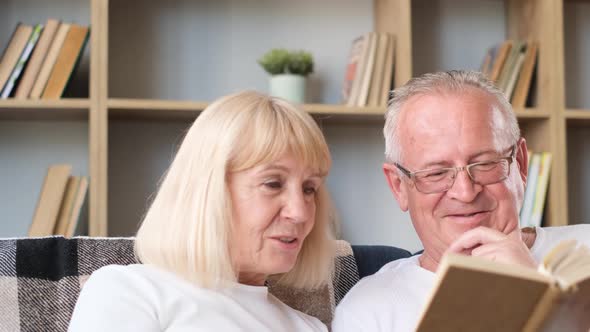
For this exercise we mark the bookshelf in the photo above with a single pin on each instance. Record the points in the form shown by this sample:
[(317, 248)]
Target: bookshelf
[(153, 66)]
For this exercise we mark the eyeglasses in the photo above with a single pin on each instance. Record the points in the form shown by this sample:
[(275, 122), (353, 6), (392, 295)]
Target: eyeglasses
[(438, 180)]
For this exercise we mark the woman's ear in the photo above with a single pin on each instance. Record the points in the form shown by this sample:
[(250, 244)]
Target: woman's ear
[(398, 187)]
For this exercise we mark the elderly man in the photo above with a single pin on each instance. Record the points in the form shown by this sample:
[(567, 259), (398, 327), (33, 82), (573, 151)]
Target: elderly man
[(456, 161)]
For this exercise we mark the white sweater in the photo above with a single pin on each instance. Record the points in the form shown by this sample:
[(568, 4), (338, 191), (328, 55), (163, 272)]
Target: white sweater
[(393, 298), (145, 298)]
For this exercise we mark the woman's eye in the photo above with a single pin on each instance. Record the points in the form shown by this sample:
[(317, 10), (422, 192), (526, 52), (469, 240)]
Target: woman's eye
[(309, 190)]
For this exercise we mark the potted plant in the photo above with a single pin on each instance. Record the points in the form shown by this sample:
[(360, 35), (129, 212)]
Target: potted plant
[(288, 70)]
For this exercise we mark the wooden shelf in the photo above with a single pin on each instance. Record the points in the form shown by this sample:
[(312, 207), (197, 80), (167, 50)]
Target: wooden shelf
[(577, 117), (60, 109), (527, 114), (155, 109)]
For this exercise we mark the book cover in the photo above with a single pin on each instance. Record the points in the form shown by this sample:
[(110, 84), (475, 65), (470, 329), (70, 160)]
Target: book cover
[(22, 61), (67, 59), (475, 294), (352, 67), (360, 69), (49, 61), (50, 199), (13, 51), (39, 53)]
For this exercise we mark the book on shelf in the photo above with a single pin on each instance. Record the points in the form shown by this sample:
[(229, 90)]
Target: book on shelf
[(388, 72), (39, 53), (529, 193), (508, 67), (69, 56), (11, 54), (50, 200), (360, 48), (71, 205), (511, 66), (514, 72), (523, 85), (376, 77), (476, 294), (369, 74), (49, 61), (354, 59), (22, 61), (503, 49), (365, 84), (541, 189)]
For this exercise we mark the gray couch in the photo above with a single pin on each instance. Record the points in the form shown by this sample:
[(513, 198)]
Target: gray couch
[(41, 278)]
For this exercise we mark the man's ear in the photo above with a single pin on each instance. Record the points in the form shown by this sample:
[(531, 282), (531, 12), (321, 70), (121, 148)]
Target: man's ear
[(522, 159), (396, 185)]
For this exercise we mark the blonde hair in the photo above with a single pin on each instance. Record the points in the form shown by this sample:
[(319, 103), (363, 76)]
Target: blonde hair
[(454, 81), (186, 229)]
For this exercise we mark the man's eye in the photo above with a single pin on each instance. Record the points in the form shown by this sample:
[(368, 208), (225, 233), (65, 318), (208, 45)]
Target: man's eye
[(273, 185), (486, 166), (435, 175)]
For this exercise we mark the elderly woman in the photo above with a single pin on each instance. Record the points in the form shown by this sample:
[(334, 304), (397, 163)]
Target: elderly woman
[(244, 200)]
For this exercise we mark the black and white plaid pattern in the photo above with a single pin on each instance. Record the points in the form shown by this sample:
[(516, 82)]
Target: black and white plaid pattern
[(41, 278)]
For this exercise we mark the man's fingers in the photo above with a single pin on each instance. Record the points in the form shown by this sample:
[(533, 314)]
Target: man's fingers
[(474, 238)]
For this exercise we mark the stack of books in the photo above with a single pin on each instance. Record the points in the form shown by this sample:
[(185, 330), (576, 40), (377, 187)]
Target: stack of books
[(511, 65), (39, 60), (369, 72), (60, 203)]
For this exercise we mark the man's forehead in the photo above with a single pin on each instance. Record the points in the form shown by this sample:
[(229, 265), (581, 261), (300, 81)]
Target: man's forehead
[(435, 123)]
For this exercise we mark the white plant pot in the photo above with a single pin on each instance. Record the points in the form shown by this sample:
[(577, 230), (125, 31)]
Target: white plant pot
[(288, 86)]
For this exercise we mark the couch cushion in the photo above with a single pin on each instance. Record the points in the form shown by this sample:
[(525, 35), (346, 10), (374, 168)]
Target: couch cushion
[(40, 279), (369, 259)]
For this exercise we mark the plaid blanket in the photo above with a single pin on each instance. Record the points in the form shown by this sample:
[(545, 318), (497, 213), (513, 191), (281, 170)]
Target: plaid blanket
[(41, 278)]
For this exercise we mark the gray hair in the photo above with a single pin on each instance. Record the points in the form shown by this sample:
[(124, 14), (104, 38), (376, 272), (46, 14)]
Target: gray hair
[(435, 83)]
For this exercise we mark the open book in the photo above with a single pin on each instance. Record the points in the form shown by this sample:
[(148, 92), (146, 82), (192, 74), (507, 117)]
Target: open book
[(474, 294)]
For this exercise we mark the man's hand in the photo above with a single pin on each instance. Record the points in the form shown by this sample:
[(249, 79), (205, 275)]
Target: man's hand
[(494, 245)]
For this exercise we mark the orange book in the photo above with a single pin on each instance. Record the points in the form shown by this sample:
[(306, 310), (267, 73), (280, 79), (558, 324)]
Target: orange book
[(67, 59), (49, 61), (39, 53)]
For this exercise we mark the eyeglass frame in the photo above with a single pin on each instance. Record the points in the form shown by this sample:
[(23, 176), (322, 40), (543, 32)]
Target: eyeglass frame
[(457, 169)]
